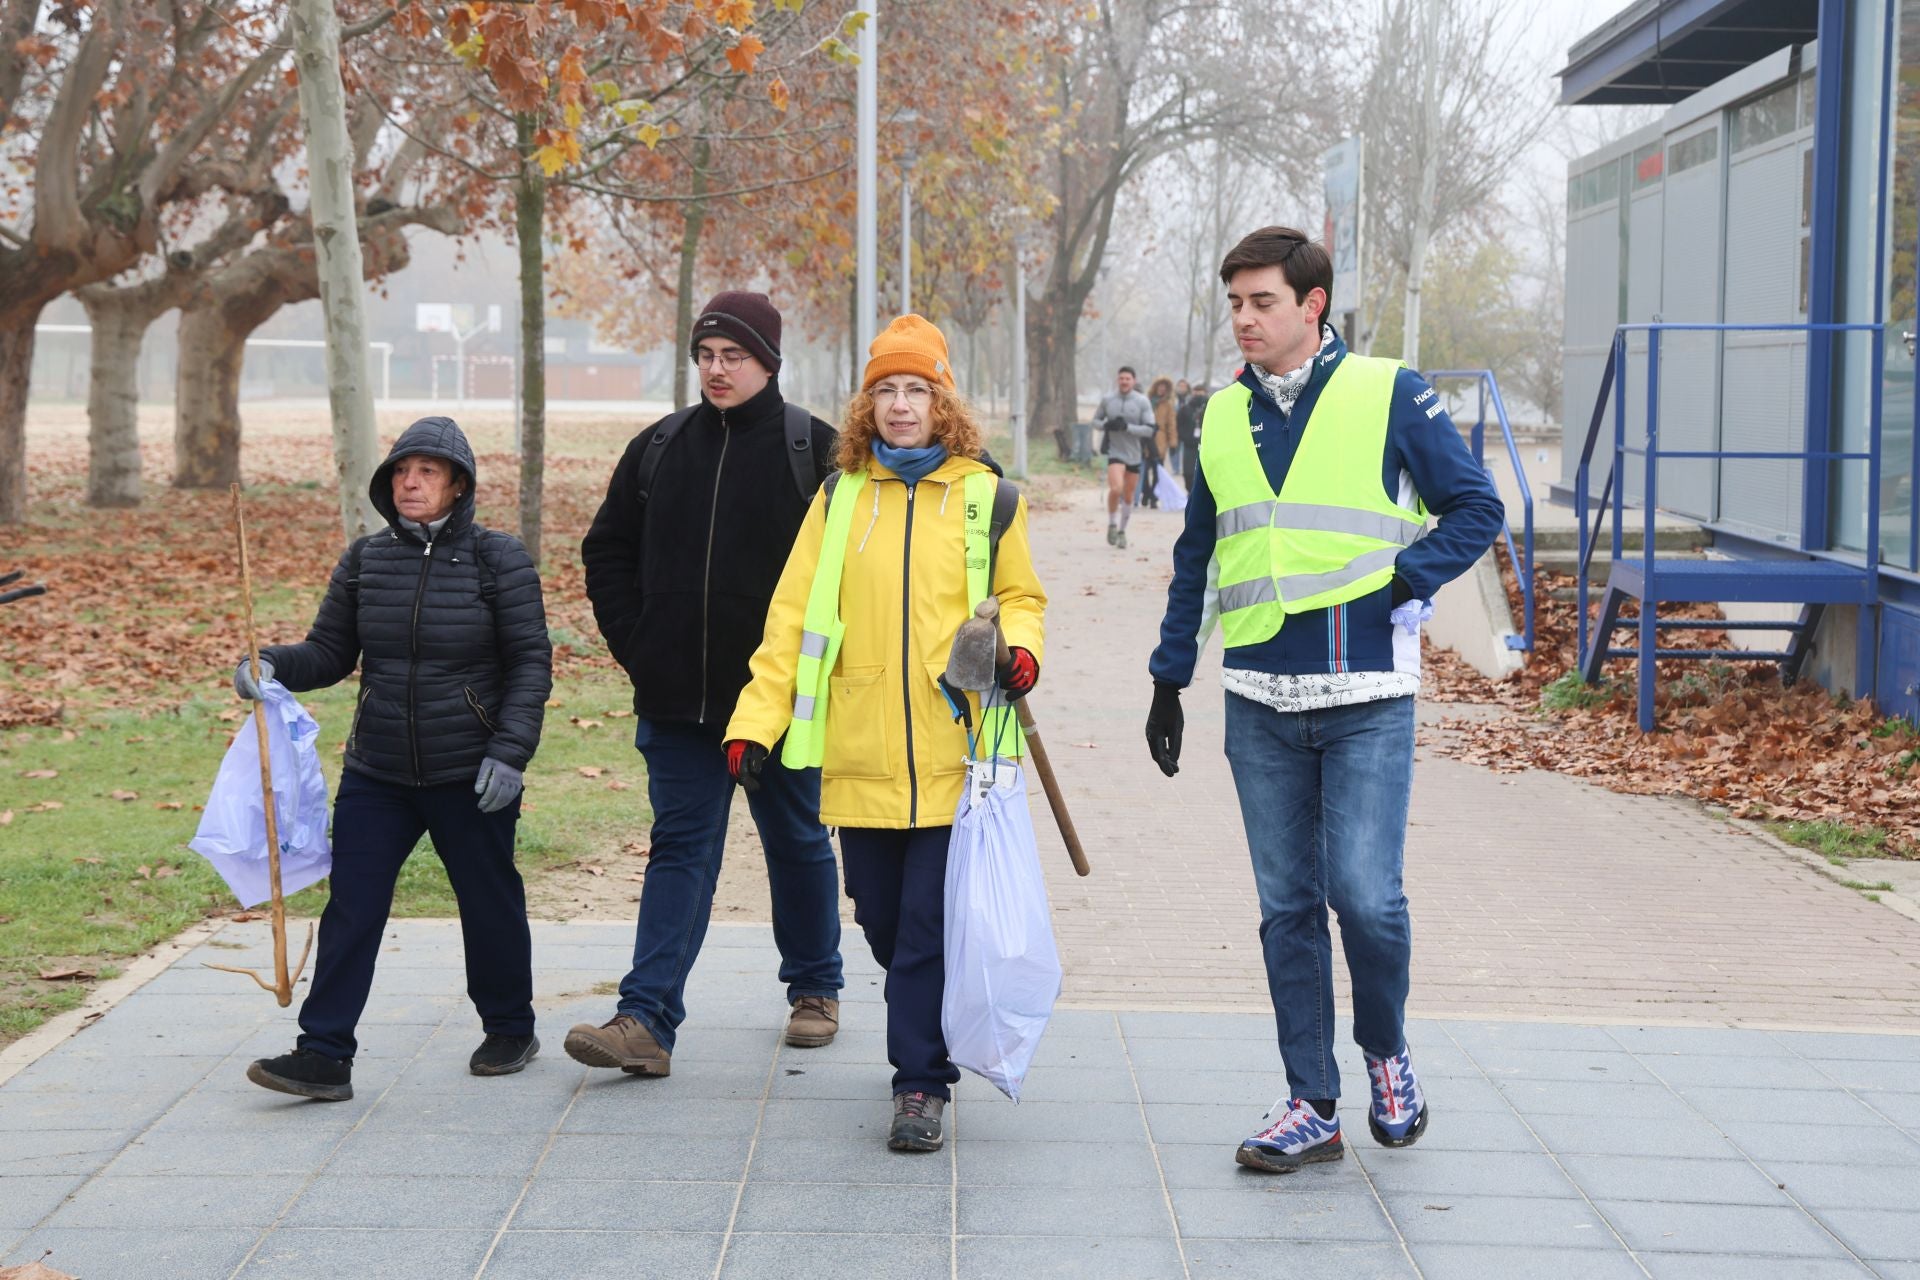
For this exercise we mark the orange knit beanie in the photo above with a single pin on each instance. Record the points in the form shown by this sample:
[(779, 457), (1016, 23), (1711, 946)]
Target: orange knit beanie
[(910, 345)]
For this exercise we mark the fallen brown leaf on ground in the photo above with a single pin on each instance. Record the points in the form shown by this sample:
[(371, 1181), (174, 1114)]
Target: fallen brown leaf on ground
[(41, 773), (591, 770), (34, 1271), (66, 975), (123, 795)]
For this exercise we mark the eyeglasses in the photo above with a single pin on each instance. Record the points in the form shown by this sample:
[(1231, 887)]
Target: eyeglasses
[(918, 393), (729, 360)]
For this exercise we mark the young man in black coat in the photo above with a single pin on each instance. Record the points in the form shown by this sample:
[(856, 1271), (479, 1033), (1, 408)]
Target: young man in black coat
[(681, 564)]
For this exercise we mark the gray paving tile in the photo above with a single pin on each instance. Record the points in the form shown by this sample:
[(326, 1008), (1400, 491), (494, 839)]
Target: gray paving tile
[(1700, 1266), (1892, 1234), (843, 1161), (25, 1110), (1770, 1141), (1817, 1106), (1479, 1131), (1632, 1105), (27, 1198), (254, 1110), (507, 1104), (1484, 1261), (1898, 1270), (571, 1204), (617, 1156), (1682, 1071), (1240, 1088), (1062, 1211), (151, 1254), (92, 1074), (1901, 1108), (1068, 1258), (426, 1155), (445, 1202), (603, 1255), (835, 1118), (623, 1107), (864, 1081), (321, 1253), (1345, 1259), (1552, 1036), (1691, 1139), (1058, 1050), (176, 1203), (1072, 1024), (1657, 1176), (1314, 1204), (1718, 1228), (829, 1257), (1051, 1122), (1611, 1066), (1464, 1173), (1210, 1123), (849, 1046), (1878, 1075), (1078, 1084), (1205, 1055), (1847, 1046), (212, 1153), (51, 1151), (986, 1163), (1699, 1042), (1425, 1217), (856, 1209), (1198, 1026), (1843, 1186), (696, 1043), (1213, 1167)]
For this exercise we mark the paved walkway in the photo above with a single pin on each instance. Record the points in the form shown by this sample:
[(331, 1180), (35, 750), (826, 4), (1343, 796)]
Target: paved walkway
[(1594, 979)]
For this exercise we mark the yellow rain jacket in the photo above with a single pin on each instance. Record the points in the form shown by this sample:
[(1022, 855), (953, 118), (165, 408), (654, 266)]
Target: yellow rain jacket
[(894, 756)]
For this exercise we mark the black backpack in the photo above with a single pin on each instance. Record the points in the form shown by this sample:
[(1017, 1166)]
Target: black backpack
[(799, 428)]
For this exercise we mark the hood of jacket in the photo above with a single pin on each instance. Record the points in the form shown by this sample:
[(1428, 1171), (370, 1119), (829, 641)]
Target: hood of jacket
[(433, 437)]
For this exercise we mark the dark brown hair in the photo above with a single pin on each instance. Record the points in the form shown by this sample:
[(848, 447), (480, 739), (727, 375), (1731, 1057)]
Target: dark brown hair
[(1303, 263)]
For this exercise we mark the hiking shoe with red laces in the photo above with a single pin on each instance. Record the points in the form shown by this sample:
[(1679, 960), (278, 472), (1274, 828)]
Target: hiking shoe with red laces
[(1398, 1115), (1296, 1136), (916, 1122)]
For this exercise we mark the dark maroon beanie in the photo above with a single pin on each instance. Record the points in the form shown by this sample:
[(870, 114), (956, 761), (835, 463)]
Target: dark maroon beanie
[(750, 319)]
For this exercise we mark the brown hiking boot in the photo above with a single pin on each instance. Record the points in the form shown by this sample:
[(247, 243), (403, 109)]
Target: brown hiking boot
[(916, 1122), (813, 1022), (623, 1043)]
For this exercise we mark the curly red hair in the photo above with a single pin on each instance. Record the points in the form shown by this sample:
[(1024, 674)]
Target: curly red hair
[(953, 426)]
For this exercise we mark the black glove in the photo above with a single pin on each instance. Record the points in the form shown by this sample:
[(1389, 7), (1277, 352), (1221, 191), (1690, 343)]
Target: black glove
[(1164, 725), (744, 761)]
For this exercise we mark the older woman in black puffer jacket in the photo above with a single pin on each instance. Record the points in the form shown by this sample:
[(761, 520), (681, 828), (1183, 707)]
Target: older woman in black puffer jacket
[(445, 620)]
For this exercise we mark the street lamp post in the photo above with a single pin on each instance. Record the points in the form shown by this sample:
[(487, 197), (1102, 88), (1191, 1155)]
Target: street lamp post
[(907, 119), (867, 249), (1019, 423)]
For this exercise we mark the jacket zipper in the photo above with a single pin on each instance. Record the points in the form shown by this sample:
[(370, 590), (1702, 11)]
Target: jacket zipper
[(706, 579), (906, 663), (413, 663), (473, 701), (359, 706)]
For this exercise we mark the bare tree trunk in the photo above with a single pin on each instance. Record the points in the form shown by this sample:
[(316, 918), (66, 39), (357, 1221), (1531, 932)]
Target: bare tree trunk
[(529, 220), (696, 215), (206, 408), (1053, 399), (16, 369), (120, 326)]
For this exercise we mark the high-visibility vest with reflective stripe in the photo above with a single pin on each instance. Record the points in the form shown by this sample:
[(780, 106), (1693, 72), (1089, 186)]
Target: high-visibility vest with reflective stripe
[(1331, 534), (822, 629)]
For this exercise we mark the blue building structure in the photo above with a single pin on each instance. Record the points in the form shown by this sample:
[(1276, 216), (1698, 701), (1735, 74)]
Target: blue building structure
[(1740, 322)]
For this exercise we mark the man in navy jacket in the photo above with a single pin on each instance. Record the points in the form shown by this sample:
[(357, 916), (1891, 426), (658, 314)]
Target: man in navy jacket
[(1320, 725)]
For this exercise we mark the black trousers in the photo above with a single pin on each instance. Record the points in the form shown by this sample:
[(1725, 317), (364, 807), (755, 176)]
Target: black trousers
[(375, 826), (898, 883)]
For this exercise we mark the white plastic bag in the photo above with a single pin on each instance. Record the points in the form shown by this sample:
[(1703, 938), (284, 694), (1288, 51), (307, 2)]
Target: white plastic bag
[(1003, 970), (233, 828), (1168, 491)]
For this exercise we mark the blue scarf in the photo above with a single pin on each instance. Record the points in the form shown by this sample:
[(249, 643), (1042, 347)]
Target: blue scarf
[(911, 465)]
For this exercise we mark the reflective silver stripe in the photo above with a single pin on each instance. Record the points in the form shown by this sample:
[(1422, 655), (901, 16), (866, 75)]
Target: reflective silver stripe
[(1314, 518), (1243, 519), (1302, 585), (1244, 595), (813, 645), (802, 706)]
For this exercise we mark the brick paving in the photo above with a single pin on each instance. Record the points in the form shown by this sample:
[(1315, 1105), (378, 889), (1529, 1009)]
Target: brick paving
[(1534, 895)]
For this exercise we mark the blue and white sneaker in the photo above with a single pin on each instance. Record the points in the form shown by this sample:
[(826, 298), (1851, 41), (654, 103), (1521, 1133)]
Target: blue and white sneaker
[(1398, 1115), (1298, 1136)]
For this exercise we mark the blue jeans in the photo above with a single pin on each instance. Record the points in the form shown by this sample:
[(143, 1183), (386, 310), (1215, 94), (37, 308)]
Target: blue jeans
[(1324, 797), (691, 791)]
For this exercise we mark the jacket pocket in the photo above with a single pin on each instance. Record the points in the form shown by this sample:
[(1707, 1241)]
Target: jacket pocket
[(479, 712), (359, 707), (859, 726)]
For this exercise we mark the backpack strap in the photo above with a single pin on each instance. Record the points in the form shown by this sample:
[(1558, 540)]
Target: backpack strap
[(1006, 501), (353, 565), (663, 433), (829, 484), (489, 579), (806, 470)]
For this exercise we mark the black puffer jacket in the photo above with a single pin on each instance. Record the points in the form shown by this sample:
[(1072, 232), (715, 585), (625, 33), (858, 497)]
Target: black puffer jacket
[(446, 678), (680, 585)]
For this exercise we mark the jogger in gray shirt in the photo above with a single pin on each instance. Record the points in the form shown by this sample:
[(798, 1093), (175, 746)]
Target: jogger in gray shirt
[(1127, 416)]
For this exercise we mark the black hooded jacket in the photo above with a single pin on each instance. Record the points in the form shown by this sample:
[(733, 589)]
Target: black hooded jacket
[(447, 677), (680, 584)]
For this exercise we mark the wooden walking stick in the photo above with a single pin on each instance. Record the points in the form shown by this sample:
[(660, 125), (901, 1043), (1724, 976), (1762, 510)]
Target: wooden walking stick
[(990, 610), (282, 984)]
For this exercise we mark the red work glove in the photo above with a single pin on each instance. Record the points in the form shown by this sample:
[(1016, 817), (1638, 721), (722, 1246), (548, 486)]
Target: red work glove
[(744, 762), (1016, 679)]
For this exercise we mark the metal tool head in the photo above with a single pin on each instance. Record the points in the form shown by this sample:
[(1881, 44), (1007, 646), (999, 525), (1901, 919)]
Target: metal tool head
[(970, 665)]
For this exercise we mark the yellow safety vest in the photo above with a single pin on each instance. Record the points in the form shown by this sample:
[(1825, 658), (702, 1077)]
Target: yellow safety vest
[(1331, 534), (822, 629)]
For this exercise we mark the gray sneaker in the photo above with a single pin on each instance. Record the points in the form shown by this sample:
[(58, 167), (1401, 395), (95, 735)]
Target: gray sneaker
[(1113, 534), (916, 1122), (1120, 540)]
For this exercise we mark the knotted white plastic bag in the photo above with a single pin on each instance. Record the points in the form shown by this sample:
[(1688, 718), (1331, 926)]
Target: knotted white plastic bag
[(1003, 969), (1168, 491), (233, 828)]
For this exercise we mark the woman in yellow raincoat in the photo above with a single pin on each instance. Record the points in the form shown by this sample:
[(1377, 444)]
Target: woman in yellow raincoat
[(850, 678)]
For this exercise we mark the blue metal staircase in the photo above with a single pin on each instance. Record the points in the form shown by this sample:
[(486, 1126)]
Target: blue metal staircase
[(1521, 556), (1812, 580)]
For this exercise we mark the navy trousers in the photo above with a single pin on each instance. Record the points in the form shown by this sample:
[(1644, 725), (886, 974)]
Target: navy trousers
[(375, 826), (898, 883)]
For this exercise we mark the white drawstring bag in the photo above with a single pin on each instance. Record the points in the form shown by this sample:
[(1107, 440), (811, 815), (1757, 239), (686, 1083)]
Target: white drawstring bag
[(233, 827), (1168, 491), (1003, 969)]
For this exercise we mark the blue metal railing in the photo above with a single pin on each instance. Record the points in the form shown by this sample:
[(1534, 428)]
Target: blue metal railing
[(1489, 390), (1613, 383)]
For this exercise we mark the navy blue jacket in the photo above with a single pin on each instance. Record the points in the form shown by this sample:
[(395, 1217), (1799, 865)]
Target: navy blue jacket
[(1424, 455)]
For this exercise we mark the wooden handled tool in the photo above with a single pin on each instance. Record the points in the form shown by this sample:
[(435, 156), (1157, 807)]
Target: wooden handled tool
[(990, 610)]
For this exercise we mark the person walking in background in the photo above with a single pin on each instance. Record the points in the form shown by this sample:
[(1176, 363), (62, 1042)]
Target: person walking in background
[(894, 555), (681, 562), (446, 622), (1160, 450), (1177, 456), (1317, 471), (1127, 419), (1187, 429)]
